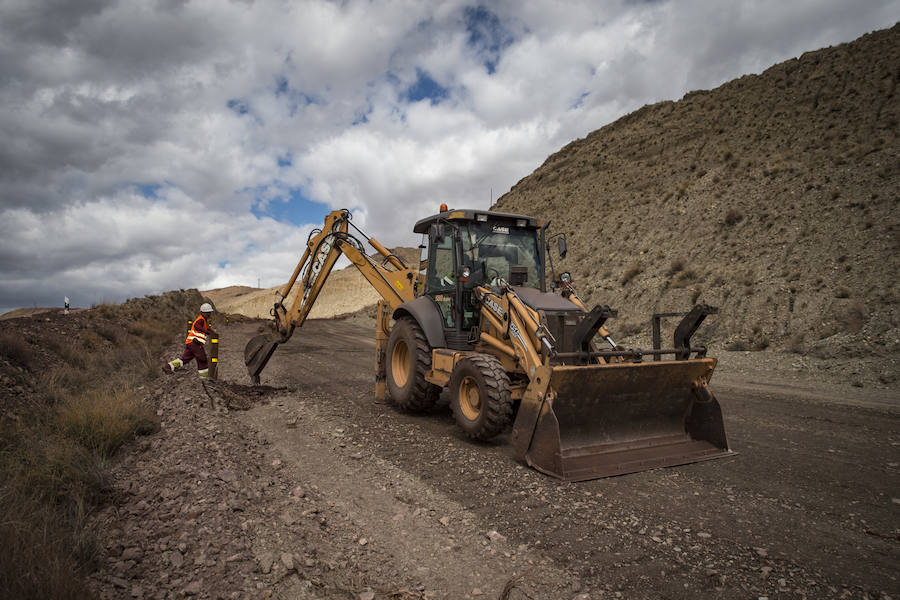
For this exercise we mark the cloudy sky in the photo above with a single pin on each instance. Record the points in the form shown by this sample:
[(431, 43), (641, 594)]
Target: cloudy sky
[(155, 145)]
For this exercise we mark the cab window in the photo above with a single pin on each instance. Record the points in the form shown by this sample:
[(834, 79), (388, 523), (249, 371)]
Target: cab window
[(442, 271)]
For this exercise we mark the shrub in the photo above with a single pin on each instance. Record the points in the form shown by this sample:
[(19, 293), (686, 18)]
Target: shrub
[(632, 272), (737, 346), (733, 217), (684, 278), (796, 344), (676, 266), (855, 317)]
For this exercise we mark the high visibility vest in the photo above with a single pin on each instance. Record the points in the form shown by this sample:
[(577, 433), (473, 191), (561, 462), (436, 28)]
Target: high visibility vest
[(196, 333)]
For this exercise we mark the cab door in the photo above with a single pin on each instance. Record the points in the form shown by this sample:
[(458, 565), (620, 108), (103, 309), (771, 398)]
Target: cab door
[(441, 282)]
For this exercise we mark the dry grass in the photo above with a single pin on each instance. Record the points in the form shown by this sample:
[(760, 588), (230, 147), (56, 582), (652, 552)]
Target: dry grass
[(53, 458), (70, 351), (17, 350), (38, 551), (103, 420)]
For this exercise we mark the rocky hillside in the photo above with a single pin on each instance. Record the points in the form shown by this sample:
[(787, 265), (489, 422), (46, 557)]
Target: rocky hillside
[(346, 291), (774, 197)]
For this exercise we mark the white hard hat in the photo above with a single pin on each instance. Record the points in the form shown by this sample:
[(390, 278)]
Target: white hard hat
[(206, 307)]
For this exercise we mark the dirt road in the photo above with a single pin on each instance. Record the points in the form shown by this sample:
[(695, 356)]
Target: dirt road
[(809, 508)]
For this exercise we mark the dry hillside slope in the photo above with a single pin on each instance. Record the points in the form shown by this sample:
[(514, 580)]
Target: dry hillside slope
[(346, 291), (773, 197)]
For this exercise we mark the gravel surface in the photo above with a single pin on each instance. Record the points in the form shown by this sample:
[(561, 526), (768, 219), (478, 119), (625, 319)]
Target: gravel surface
[(317, 491)]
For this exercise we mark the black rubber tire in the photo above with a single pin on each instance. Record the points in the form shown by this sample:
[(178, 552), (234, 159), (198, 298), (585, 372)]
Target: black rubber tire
[(408, 360), (479, 396)]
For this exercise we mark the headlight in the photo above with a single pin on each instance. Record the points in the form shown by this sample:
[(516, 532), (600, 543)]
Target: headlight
[(565, 277)]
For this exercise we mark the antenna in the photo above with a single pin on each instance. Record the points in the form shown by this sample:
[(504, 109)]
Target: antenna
[(492, 198)]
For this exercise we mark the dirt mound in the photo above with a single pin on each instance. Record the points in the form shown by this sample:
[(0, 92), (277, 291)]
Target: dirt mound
[(773, 197), (346, 291)]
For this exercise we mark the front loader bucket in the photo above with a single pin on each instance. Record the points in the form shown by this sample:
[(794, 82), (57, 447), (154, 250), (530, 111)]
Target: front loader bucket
[(257, 353), (603, 420)]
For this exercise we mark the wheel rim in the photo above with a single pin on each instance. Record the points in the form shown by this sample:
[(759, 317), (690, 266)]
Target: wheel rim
[(400, 363), (469, 398)]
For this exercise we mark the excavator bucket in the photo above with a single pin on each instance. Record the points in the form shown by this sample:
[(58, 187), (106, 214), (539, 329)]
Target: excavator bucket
[(603, 420), (257, 353)]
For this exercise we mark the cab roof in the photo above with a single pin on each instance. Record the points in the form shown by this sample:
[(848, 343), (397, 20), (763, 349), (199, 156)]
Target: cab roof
[(471, 215)]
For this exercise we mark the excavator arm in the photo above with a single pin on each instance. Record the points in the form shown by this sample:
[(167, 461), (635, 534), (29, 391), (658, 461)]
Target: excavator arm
[(392, 279)]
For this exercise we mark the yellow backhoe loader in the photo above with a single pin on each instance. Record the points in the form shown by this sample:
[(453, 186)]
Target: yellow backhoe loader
[(478, 318)]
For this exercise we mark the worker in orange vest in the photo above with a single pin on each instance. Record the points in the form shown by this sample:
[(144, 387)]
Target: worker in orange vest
[(193, 345)]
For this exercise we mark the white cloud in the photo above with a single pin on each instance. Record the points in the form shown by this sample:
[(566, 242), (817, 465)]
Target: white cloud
[(221, 108)]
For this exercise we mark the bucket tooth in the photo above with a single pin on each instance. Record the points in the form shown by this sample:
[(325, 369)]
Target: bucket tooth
[(604, 420)]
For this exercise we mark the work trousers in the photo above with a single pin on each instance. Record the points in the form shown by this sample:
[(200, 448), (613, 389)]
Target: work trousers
[(195, 350)]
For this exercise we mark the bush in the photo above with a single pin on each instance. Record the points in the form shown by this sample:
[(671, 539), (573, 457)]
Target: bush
[(733, 217), (632, 272), (676, 266), (684, 278), (796, 344), (855, 317), (737, 346)]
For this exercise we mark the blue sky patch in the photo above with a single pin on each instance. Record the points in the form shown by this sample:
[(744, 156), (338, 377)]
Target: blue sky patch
[(148, 190), (285, 160), (295, 208), (295, 98), (426, 88), (487, 35), (239, 106)]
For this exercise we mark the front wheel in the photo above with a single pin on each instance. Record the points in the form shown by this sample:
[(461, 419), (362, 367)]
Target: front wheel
[(408, 362), (479, 396)]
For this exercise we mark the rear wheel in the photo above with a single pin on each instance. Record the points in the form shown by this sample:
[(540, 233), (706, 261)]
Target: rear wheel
[(479, 396), (408, 361)]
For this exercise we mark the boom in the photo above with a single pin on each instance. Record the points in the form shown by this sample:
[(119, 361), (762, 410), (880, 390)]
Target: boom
[(395, 285)]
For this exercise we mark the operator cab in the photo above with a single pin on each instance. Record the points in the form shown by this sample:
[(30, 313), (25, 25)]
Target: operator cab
[(468, 248)]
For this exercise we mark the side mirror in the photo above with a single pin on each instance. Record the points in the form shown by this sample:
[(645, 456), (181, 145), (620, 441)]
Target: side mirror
[(437, 233), (563, 249)]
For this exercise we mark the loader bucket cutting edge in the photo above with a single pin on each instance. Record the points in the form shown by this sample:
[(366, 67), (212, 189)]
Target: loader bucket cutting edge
[(257, 353), (606, 420)]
